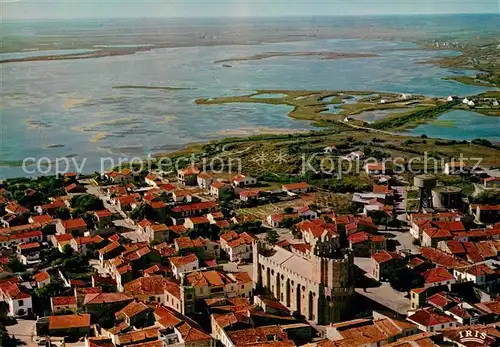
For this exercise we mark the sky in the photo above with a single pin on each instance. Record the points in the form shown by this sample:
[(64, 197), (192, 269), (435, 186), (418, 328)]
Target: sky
[(69, 9)]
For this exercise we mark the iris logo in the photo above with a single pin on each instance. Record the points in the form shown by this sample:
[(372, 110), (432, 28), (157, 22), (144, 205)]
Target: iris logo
[(473, 336)]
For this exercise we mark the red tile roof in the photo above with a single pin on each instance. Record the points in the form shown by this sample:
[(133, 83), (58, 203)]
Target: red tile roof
[(152, 285), (384, 256), (103, 213), (443, 259), (132, 309), (480, 270), (438, 274), (29, 245), (197, 206), (76, 223), (63, 300), (217, 185), (295, 186), (44, 218), (435, 233), (183, 260), (14, 291), (427, 317), (41, 276), (69, 321), (105, 298)]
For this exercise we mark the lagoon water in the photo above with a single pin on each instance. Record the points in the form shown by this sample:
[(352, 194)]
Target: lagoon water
[(461, 125), (60, 108)]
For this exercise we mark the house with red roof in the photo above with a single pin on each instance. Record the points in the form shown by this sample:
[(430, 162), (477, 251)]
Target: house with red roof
[(42, 219), (42, 279), (182, 195), (480, 274), (194, 209), (204, 180), (124, 176), (59, 241), (99, 303), (247, 195), (157, 232), (188, 176), (438, 276), (208, 247), (364, 245), (375, 168), (183, 264), (197, 223), (134, 314), (430, 320), (104, 218), (487, 214), (237, 246), (431, 236), (185, 331), (63, 303), (217, 187), (296, 188), (384, 263), (69, 325), (148, 289), (318, 229), (17, 298), (13, 207), (152, 180), (277, 220), (127, 202), (75, 226), (243, 181)]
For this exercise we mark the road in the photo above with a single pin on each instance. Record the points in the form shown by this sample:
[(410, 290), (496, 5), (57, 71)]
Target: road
[(24, 330), (384, 294)]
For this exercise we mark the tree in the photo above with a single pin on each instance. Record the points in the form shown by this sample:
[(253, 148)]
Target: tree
[(62, 213), (15, 265), (87, 202), (226, 195), (488, 198), (405, 279), (272, 237), (288, 210)]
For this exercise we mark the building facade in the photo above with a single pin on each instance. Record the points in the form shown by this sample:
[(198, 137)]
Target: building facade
[(318, 285)]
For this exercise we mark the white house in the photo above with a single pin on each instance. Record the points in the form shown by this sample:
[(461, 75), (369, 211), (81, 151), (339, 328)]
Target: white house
[(18, 300), (184, 264), (217, 187), (356, 155), (465, 101), (242, 180), (431, 321), (477, 273), (296, 188), (329, 149), (204, 180), (237, 247)]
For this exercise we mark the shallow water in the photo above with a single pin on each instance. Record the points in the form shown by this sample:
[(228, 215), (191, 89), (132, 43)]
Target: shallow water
[(461, 125), (75, 101)]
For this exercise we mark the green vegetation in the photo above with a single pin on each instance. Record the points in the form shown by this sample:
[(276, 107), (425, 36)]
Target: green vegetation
[(412, 118), (405, 279), (87, 202), (272, 237), (487, 198)]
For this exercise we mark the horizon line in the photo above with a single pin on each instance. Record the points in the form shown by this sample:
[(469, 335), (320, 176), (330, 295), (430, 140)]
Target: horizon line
[(259, 17)]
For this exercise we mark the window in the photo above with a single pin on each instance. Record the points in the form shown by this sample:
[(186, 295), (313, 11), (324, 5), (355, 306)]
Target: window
[(21, 303)]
